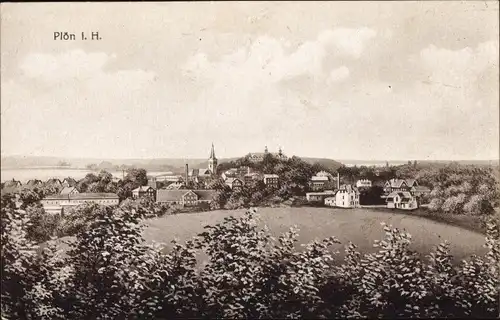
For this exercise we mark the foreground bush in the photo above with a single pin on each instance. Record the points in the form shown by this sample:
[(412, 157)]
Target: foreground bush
[(110, 273)]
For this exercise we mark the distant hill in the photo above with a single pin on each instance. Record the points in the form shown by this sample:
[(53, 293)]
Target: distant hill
[(328, 163), (163, 164), (177, 164), (437, 163)]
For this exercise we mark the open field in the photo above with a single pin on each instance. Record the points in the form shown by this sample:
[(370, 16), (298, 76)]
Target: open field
[(361, 226)]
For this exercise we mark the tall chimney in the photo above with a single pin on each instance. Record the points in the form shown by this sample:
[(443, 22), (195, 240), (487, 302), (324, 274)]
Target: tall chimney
[(248, 170), (338, 180), (187, 173)]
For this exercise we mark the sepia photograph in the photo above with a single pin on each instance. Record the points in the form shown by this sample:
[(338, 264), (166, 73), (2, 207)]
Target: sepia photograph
[(250, 159)]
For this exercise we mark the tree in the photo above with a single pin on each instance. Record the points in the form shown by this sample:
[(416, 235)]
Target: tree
[(110, 273), (478, 205), (371, 196), (17, 262), (108, 266), (42, 226), (30, 197), (138, 177), (220, 199)]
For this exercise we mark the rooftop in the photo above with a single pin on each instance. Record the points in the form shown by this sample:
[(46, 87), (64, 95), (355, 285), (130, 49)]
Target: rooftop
[(176, 195), (271, 176), (142, 189), (319, 178), (82, 196)]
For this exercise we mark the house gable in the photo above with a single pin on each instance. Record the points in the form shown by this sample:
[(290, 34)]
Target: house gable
[(190, 196)]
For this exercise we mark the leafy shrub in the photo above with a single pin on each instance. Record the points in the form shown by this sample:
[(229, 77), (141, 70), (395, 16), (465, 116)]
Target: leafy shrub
[(110, 273)]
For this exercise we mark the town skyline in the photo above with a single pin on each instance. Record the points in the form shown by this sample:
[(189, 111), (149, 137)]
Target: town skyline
[(394, 82)]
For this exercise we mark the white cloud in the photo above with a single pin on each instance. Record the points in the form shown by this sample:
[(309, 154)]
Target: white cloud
[(71, 64), (87, 110), (350, 42), (339, 74), (253, 81), (267, 59)]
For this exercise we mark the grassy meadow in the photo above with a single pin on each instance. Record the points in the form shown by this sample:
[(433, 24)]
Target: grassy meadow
[(361, 226)]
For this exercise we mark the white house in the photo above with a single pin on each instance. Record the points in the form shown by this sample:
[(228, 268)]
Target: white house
[(330, 201), (271, 180), (319, 196), (347, 196), (401, 200), (363, 183)]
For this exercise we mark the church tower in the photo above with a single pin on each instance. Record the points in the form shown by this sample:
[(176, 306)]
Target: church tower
[(212, 161)]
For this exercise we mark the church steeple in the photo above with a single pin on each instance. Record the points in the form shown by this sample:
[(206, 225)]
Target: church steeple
[(212, 161), (212, 153)]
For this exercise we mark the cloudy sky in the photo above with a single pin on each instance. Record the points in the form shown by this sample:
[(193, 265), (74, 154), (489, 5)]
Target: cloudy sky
[(343, 80)]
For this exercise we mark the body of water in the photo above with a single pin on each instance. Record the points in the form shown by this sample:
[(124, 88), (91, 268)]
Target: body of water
[(44, 174)]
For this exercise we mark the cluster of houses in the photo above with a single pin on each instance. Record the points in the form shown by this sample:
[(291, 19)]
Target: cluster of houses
[(176, 191), (398, 193), (403, 193), (343, 196), (325, 189), (66, 182)]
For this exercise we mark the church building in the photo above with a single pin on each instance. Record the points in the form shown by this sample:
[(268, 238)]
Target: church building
[(206, 172)]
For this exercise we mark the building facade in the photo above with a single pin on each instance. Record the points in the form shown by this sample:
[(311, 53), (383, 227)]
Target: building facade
[(363, 183), (319, 196), (399, 185), (259, 156), (61, 202), (271, 180), (402, 200), (234, 183), (185, 198), (347, 196), (249, 177), (330, 202), (144, 191), (318, 183)]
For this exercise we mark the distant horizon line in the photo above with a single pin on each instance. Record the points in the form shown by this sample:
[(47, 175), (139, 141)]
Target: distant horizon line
[(232, 157)]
